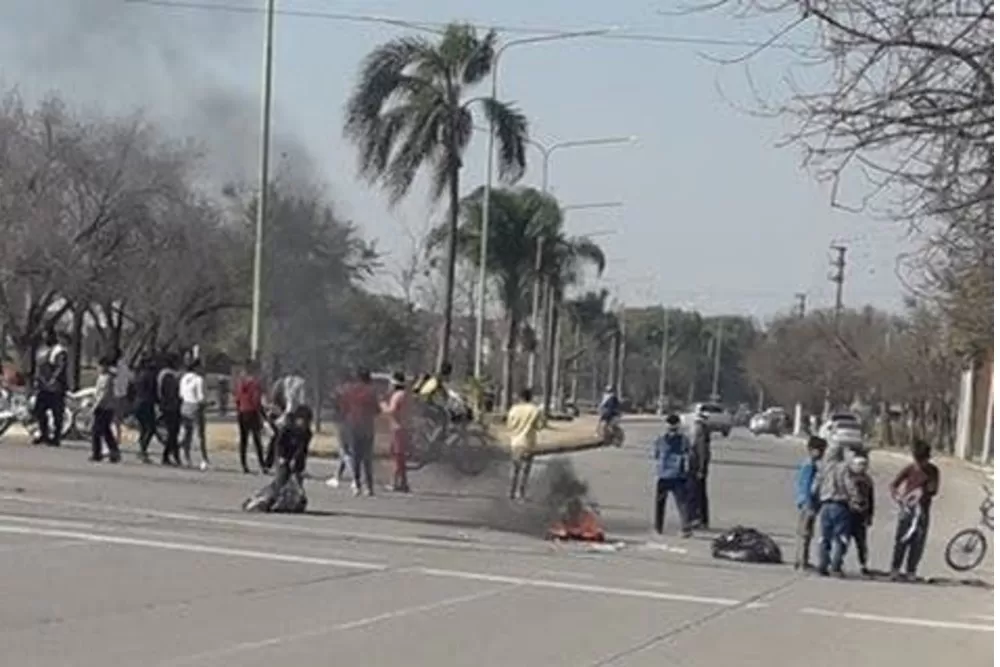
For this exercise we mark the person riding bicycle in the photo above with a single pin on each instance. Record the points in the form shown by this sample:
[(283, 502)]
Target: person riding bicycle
[(609, 409)]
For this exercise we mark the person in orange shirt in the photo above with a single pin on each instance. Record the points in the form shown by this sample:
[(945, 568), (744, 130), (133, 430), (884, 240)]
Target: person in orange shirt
[(398, 409)]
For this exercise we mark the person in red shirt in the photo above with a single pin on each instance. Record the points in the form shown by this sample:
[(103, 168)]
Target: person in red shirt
[(398, 409), (359, 406), (248, 413)]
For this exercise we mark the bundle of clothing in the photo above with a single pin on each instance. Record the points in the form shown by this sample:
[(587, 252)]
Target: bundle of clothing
[(746, 545)]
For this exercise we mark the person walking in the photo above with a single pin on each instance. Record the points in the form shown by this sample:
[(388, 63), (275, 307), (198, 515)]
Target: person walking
[(672, 452), (913, 488), (359, 406), (831, 485), (102, 432), (123, 386), (398, 409), (344, 457), (524, 420), (248, 413), (701, 457), (169, 399), (806, 501), (51, 384), (145, 405), (192, 391), (861, 503)]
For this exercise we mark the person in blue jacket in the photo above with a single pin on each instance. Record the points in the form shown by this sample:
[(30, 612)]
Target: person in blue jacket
[(672, 452), (806, 501)]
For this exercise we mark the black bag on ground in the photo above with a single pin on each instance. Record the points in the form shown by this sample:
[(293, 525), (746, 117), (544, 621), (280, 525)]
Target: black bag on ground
[(746, 545)]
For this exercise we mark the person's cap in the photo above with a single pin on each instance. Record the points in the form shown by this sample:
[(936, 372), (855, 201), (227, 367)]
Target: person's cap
[(673, 420), (398, 379), (610, 388)]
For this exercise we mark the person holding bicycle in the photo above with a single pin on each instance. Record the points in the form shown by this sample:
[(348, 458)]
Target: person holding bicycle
[(913, 489)]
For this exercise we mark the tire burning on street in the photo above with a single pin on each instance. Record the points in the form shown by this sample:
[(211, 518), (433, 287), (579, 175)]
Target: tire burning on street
[(574, 515)]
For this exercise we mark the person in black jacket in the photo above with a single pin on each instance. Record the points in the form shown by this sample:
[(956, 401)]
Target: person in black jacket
[(169, 399), (145, 405), (701, 457)]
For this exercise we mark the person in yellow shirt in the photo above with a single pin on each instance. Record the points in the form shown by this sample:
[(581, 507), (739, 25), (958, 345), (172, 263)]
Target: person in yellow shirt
[(523, 421)]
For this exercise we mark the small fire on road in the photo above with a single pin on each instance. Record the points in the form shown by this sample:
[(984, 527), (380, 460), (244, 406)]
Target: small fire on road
[(577, 522)]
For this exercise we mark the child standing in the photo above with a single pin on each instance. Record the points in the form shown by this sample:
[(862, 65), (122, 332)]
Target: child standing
[(861, 503), (913, 488), (806, 501)]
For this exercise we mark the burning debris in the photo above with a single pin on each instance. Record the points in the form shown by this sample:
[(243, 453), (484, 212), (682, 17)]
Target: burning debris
[(575, 516)]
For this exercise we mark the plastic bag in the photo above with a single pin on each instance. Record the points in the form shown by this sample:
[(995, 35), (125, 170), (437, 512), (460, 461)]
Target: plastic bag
[(746, 545)]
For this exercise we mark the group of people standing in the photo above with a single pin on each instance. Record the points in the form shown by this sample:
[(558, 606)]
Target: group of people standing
[(835, 488)]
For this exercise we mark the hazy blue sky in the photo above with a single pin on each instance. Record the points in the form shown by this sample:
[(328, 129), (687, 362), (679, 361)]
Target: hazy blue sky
[(715, 215)]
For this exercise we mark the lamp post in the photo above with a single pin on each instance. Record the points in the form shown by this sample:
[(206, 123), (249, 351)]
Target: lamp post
[(536, 292), (484, 234)]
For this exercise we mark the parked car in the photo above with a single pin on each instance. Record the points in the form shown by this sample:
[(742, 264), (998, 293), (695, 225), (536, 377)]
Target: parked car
[(843, 429), (717, 418), (773, 421)]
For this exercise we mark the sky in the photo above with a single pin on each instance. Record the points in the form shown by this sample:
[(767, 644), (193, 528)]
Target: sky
[(714, 214)]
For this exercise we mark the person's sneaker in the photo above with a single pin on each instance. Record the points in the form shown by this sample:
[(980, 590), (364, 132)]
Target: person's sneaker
[(894, 576), (95, 459), (838, 573), (865, 572), (333, 483), (355, 491), (144, 458), (686, 534), (370, 493), (115, 458), (823, 573), (203, 466)]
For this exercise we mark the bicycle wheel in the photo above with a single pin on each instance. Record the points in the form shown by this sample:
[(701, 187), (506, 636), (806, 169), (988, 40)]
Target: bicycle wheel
[(470, 452), (965, 550), (417, 452)]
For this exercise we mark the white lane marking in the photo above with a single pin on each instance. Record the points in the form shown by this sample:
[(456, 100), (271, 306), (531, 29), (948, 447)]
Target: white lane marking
[(44, 546), (340, 627), (898, 620), (569, 574), (980, 617), (575, 587), (292, 527), (192, 548)]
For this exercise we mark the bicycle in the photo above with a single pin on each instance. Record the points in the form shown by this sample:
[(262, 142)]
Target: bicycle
[(967, 548), (463, 443)]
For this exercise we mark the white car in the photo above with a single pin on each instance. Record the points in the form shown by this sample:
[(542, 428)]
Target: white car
[(843, 429), (717, 418)]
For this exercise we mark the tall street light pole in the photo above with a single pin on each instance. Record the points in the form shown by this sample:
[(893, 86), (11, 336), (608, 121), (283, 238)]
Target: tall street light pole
[(484, 233), (262, 197), (536, 292)]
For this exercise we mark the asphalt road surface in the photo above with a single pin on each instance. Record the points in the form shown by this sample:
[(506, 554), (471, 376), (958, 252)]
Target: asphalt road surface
[(139, 565)]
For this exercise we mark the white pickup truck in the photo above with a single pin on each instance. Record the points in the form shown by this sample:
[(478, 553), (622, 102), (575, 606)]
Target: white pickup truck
[(717, 418)]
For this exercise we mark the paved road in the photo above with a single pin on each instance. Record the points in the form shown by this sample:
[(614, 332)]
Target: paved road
[(139, 565)]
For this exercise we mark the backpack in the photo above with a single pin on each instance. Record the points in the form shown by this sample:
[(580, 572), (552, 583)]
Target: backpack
[(746, 545), (672, 458)]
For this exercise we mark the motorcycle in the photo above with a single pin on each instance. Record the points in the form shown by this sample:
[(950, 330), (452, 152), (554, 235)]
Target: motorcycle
[(611, 432), (18, 407)]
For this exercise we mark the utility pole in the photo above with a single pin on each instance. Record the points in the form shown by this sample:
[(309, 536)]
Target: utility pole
[(621, 354), (664, 353), (717, 362), (262, 196), (838, 278), (800, 309)]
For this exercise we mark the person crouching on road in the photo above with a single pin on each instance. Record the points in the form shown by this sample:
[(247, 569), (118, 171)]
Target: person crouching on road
[(672, 452), (861, 503), (524, 420), (104, 414), (831, 487), (806, 501)]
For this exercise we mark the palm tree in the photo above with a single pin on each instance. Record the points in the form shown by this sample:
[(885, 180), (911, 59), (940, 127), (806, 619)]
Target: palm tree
[(518, 218), (411, 109), (564, 261)]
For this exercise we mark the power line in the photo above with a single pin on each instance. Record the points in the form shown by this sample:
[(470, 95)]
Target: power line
[(438, 26)]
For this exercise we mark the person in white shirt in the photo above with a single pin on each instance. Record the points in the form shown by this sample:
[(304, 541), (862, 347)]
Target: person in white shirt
[(192, 392), (122, 382)]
